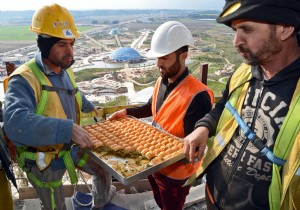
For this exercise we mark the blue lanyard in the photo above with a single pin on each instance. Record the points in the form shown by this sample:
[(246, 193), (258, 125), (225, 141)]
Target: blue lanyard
[(252, 137)]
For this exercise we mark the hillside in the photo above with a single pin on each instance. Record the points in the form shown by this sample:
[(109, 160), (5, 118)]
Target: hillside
[(213, 41)]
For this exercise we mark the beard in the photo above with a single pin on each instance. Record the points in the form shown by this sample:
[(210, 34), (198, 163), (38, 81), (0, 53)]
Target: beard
[(269, 47), (249, 57), (65, 62), (169, 72)]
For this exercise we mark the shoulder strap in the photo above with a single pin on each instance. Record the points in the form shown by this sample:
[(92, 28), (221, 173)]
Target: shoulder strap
[(290, 127), (252, 137), (284, 142), (77, 95), (45, 88), (44, 96)]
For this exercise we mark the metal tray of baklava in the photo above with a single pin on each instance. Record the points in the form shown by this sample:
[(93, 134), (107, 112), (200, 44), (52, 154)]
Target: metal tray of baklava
[(149, 168), (139, 175)]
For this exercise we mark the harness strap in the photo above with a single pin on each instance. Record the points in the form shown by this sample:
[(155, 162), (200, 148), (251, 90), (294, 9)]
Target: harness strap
[(77, 94), (83, 160), (270, 155), (61, 154), (23, 154), (44, 95), (252, 137), (66, 155), (70, 167), (60, 90), (51, 185)]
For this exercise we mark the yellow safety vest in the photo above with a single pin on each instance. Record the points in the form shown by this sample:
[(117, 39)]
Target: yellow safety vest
[(284, 191), (48, 103)]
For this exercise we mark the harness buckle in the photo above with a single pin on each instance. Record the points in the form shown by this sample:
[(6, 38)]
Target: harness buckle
[(56, 153)]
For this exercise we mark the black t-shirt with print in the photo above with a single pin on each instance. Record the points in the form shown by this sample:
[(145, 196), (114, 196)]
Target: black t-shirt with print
[(240, 177)]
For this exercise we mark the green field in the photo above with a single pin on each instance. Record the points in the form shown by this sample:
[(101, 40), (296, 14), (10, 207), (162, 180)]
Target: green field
[(23, 33)]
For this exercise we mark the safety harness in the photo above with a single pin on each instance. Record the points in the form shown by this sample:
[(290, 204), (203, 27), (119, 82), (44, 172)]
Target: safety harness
[(282, 147), (24, 154), (281, 179), (253, 138)]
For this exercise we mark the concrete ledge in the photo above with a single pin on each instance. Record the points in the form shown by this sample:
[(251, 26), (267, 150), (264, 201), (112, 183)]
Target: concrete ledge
[(136, 201)]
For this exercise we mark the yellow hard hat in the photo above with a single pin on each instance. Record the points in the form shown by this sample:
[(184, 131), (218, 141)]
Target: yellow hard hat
[(54, 20)]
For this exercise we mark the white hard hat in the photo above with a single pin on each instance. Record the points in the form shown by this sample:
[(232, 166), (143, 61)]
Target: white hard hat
[(169, 37)]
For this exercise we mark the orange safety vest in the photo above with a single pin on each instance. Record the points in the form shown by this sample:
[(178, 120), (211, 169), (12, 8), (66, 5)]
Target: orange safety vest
[(170, 118)]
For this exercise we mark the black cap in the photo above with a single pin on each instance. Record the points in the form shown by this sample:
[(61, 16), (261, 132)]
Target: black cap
[(45, 44), (270, 11)]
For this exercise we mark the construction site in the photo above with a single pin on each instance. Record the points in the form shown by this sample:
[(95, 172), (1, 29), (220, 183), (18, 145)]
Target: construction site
[(109, 47)]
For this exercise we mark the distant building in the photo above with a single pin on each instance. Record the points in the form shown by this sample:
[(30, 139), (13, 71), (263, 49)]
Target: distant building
[(142, 96), (31, 55), (16, 60), (12, 63), (115, 31), (125, 55)]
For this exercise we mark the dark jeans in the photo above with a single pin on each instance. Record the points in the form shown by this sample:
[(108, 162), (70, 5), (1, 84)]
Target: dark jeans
[(209, 203), (168, 193)]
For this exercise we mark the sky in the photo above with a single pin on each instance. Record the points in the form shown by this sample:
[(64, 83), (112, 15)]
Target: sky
[(115, 4)]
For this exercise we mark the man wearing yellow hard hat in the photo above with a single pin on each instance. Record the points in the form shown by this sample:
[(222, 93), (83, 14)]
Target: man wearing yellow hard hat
[(42, 113), (252, 160)]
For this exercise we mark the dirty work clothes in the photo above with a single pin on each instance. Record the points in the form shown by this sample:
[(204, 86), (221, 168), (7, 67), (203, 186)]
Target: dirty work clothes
[(101, 182), (168, 193), (240, 177), (22, 125), (171, 193)]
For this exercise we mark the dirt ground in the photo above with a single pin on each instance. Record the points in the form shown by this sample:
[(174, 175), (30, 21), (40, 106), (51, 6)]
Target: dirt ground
[(12, 45)]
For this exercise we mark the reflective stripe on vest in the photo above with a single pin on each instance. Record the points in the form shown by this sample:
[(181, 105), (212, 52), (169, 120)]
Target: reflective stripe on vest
[(42, 102), (44, 95), (170, 117), (282, 148), (226, 125), (41, 108)]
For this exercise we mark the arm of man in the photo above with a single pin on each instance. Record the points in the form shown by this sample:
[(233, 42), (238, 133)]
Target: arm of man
[(81, 137), (138, 112), (23, 126), (198, 108), (87, 106), (204, 128)]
